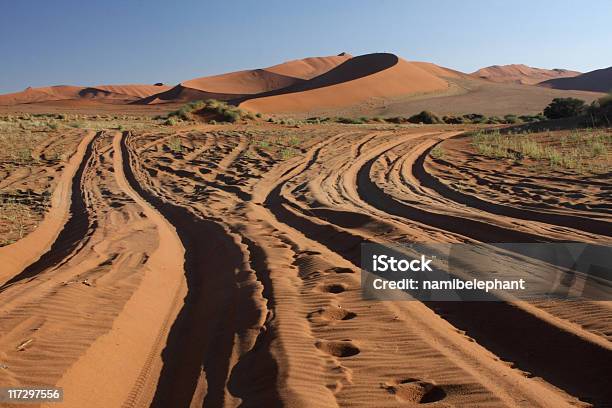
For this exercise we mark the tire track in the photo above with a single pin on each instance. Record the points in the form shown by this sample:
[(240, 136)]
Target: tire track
[(313, 230), (570, 373), (61, 230), (218, 319), (218, 275), (86, 311), (427, 180)]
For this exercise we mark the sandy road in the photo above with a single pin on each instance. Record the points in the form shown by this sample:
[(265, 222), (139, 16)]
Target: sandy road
[(220, 275), (111, 282)]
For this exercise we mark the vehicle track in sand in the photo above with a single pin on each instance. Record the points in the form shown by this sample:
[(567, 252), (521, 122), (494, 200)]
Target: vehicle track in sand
[(322, 219), (420, 204), (95, 304), (211, 269)]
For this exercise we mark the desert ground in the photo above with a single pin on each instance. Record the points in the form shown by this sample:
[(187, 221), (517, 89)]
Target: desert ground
[(218, 265), (159, 249)]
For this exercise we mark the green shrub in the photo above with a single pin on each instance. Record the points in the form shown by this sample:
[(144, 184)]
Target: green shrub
[(453, 120), (474, 118), (532, 118), (427, 117), (493, 120), (349, 121), (600, 111), (511, 119), (564, 108), (221, 111), (396, 119)]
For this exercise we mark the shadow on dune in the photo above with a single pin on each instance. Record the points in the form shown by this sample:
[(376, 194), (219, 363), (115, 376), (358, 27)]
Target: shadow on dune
[(599, 80), (93, 93), (246, 80), (181, 93), (355, 68), (350, 70)]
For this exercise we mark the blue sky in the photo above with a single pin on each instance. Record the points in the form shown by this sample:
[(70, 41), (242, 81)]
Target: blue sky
[(87, 43)]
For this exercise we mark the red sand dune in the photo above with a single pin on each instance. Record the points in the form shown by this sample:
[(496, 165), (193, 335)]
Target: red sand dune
[(68, 92), (521, 74), (599, 80), (48, 93), (235, 85), (355, 81)]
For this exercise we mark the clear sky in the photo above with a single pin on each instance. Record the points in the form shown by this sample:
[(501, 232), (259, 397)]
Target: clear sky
[(51, 42)]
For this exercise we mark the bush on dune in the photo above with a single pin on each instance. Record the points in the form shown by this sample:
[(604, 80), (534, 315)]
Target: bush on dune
[(600, 111), (396, 120), (511, 119), (426, 117), (351, 121), (564, 108), (211, 109), (454, 120), (532, 118)]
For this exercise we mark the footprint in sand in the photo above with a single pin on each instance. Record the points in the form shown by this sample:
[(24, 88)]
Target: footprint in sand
[(339, 269), (334, 288), (342, 348), (332, 313), (414, 390)]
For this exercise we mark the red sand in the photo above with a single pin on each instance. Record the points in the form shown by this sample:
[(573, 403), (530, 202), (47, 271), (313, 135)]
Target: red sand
[(356, 81)]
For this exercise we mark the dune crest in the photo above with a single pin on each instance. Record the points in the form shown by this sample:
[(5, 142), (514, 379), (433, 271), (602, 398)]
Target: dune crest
[(239, 84)]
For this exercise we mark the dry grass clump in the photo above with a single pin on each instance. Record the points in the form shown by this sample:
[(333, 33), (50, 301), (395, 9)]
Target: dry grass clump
[(14, 220), (17, 143), (582, 150), (210, 110), (281, 145), (19, 214), (437, 152), (47, 122), (175, 145)]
